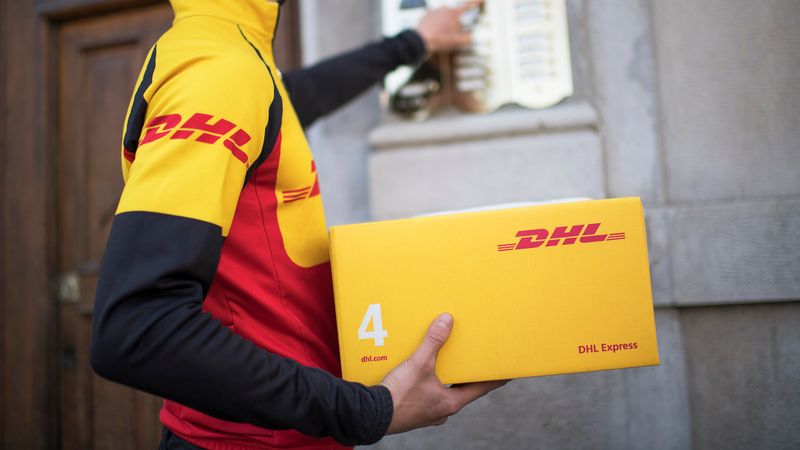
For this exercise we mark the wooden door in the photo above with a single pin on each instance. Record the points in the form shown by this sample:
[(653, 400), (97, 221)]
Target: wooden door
[(99, 59), (99, 62)]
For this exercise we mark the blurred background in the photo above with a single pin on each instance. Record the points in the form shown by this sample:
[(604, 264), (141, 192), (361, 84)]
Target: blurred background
[(692, 105)]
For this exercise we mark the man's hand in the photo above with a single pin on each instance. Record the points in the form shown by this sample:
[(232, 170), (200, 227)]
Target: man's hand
[(441, 28), (420, 399)]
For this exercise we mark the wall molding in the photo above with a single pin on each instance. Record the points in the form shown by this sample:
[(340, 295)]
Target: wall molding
[(508, 121)]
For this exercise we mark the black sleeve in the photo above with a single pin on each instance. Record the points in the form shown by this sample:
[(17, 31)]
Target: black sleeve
[(149, 332), (318, 90)]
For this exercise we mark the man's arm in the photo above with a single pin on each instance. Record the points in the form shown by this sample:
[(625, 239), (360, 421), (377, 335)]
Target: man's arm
[(150, 333), (324, 87)]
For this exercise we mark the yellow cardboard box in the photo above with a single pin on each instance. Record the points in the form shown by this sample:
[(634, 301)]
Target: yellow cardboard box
[(536, 290)]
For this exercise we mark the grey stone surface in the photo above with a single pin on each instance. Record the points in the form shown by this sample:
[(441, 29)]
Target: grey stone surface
[(736, 252), (509, 121), (329, 27), (405, 182), (642, 408), (657, 401), (342, 163), (338, 141), (624, 92), (743, 373), (576, 18), (657, 222), (728, 77)]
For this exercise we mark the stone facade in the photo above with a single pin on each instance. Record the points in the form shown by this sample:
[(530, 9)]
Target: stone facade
[(692, 106)]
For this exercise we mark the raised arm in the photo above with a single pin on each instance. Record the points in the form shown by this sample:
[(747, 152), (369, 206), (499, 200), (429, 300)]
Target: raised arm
[(328, 85)]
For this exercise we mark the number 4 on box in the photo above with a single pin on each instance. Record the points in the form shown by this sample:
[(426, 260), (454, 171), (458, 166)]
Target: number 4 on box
[(378, 334)]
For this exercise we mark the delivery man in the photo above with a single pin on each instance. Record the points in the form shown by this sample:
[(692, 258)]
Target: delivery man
[(215, 289)]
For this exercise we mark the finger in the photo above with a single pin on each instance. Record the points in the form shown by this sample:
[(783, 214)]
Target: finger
[(466, 6), (435, 338), (462, 39), (470, 392)]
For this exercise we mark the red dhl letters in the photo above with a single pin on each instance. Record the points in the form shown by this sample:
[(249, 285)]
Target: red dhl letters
[(566, 235), (200, 124), (293, 195)]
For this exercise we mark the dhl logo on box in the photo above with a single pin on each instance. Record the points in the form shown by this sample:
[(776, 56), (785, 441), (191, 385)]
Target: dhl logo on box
[(538, 290)]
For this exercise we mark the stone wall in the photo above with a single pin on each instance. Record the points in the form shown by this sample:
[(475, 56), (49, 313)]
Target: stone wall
[(692, 106)]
